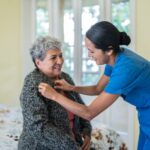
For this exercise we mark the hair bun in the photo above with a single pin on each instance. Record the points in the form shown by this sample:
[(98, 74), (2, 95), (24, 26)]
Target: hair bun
[(124, 38)]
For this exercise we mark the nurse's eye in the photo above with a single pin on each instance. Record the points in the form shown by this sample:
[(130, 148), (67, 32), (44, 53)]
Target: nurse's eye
[(90, 51)]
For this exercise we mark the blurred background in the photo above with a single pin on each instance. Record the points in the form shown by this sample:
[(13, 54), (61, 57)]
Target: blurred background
[(21, 21)]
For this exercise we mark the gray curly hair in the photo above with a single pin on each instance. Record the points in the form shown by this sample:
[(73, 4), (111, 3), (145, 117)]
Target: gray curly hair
[(42, 45)]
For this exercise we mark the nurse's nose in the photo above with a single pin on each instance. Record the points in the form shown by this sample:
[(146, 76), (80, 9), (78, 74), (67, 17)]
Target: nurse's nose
[(89, 54)]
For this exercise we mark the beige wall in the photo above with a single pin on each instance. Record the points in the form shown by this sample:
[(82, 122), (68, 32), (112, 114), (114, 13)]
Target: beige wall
[(142, 40), (10, 63), (143, 28)]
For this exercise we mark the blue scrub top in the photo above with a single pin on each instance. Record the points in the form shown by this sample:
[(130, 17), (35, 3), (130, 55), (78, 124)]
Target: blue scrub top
[(130, 77)]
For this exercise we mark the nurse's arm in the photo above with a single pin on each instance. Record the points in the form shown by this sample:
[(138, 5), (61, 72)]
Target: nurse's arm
[(87, 90), (99, 104), (94, 89)]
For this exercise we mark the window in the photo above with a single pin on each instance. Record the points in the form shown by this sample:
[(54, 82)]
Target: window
[(42, 22), (76, 16), (121, 14), (69, 20)]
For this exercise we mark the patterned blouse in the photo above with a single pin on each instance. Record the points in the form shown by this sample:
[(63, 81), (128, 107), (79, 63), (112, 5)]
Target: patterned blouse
[(45, 123)]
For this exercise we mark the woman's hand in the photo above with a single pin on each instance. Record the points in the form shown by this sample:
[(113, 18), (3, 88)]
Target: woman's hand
[(47, 91), (63, 85), (86, 143)]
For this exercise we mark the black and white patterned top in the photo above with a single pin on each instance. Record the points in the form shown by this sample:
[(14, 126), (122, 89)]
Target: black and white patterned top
[(45, 123)]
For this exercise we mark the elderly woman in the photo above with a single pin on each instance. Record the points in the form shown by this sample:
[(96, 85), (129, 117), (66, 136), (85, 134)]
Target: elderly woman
[(46, 124)]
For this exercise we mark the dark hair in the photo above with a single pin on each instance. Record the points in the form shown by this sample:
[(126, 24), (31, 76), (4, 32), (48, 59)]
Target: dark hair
[(104, 35)]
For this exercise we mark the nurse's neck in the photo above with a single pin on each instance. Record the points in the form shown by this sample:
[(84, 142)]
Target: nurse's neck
[(112, 60)]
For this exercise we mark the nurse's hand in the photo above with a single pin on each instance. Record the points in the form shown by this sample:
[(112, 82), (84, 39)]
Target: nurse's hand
[(63, 85), (47, 91)]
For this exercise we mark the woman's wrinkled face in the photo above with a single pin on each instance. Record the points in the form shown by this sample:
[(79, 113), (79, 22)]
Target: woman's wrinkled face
[(52, 63), (97, 55)]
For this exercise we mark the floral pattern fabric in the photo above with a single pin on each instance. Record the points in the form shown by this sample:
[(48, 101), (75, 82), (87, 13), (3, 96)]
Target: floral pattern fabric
[(103, 138)]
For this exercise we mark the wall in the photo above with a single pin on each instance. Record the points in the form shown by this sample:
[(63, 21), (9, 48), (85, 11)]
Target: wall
[(10, 61), (142, 41), (143, 28)]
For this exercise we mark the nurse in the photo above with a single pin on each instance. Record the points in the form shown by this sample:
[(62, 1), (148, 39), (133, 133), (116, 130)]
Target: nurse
[(126, 74)]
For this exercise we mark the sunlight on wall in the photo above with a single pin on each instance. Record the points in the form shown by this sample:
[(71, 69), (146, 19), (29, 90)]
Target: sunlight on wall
[(142, 41), (143, 30), (10, 63)]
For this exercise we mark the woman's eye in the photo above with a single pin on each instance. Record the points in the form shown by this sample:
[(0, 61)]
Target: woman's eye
[(61, 56), (55, 57), (52, 58)]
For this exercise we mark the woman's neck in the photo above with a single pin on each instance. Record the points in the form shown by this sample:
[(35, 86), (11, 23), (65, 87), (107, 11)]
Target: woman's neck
[(54, 78)]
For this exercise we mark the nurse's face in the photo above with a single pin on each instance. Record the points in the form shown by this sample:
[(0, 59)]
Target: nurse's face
[(99, 56)]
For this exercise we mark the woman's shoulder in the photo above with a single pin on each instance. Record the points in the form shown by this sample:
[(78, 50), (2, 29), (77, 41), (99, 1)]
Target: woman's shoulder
[(32, 73), (34, 77), (67, 77)]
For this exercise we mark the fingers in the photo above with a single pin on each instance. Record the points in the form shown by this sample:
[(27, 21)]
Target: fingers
[(58, 87), (42, 87), (59, 84), (45, 90), (86, 144), (63, 85)]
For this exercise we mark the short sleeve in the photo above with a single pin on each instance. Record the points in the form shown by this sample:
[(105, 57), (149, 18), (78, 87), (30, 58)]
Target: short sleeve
[(108, 70), (122, 80)]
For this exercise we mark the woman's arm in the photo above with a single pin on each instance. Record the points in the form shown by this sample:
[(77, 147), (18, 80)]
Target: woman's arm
[(87, 90), (98, 105)]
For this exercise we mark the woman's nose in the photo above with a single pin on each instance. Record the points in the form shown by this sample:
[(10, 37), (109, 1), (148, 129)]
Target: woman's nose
[(60, 60)]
